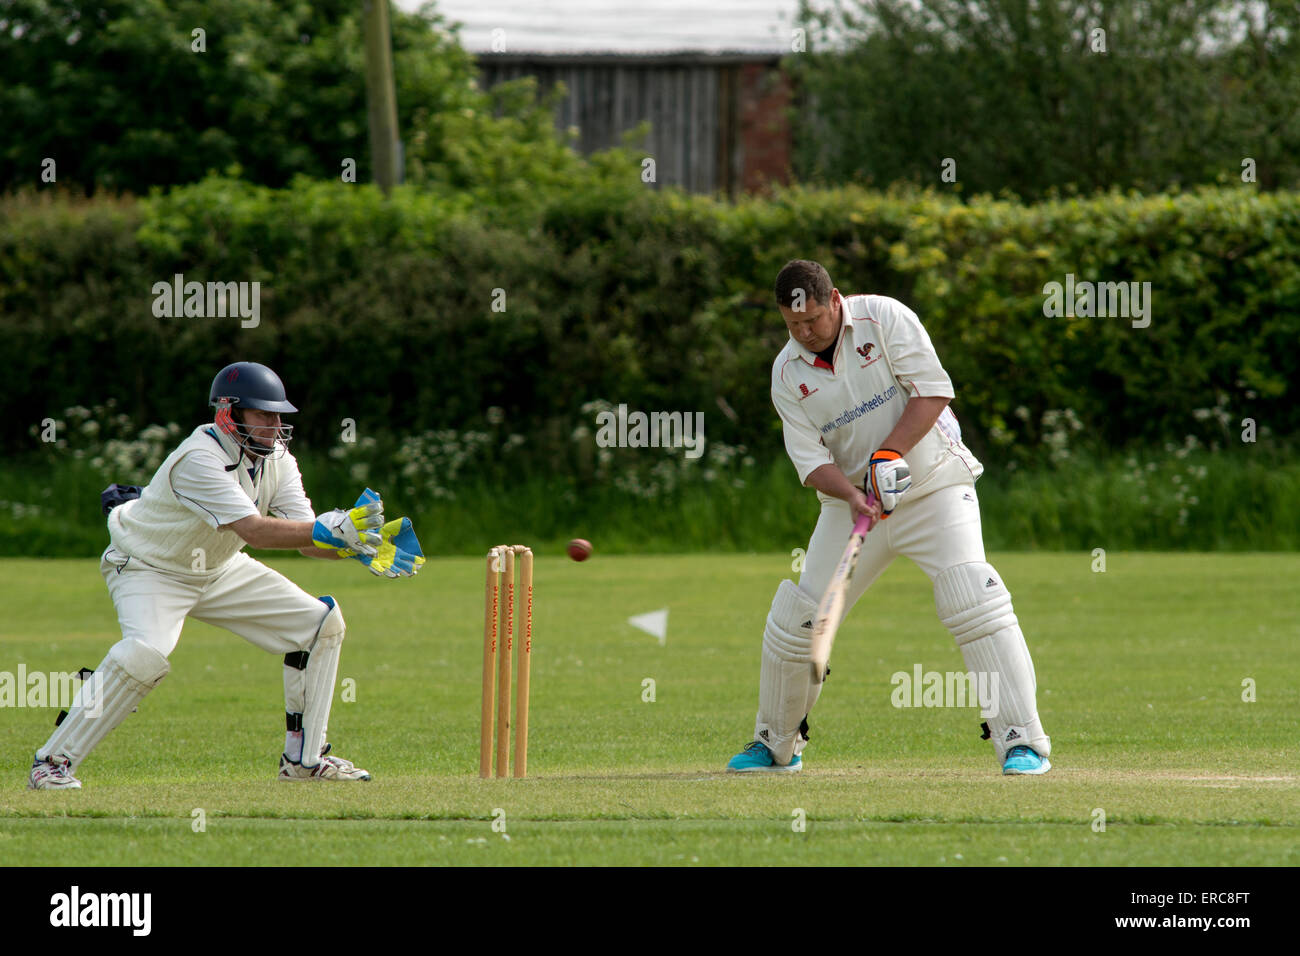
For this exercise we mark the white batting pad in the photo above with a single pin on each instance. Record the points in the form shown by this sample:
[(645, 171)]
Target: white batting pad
[(786, 691), (975, 606), (318, 683), (130, 670)]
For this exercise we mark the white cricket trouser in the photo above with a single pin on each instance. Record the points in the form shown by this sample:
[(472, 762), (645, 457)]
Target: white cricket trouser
[(941, 533), (245, 596)]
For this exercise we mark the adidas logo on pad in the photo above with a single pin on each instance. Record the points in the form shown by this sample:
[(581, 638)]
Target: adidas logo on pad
[(764, 735), (807, 623), (990, 583), (1012, 735)]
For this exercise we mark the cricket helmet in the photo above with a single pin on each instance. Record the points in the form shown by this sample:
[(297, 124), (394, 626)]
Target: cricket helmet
[(246, 385)]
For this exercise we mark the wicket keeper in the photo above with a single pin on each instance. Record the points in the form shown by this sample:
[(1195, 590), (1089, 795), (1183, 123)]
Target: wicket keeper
[(863, 401), (176, 551)]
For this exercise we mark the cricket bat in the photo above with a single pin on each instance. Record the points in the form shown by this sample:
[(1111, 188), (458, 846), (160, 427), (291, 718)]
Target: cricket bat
[(831, 608)]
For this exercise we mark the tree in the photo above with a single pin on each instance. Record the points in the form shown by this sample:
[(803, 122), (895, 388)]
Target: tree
[(129, 94), (1031, 95)]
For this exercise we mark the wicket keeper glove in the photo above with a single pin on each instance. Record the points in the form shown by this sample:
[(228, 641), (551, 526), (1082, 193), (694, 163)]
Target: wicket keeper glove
[(351, 533), (888, 476), (399, 554)]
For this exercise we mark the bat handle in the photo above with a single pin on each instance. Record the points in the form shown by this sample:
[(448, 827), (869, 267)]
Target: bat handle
[(865, 522)]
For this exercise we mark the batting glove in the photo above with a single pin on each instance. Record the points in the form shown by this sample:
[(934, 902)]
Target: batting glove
[(888, 476), (351, 533)]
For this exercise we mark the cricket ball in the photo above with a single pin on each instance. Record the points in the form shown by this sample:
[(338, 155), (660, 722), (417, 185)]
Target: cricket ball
[(579, 549)]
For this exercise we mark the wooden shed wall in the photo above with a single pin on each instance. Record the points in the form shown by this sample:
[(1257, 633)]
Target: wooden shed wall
[(693, 108)]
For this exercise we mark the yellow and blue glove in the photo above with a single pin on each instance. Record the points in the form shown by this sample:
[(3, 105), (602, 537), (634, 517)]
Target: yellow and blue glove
[(399, 553), (393, 552), (352, 533)]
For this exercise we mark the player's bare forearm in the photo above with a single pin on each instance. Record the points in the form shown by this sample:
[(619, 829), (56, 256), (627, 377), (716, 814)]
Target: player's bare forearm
[(273, 533), (328, 554), (830, 480), (917, 419)]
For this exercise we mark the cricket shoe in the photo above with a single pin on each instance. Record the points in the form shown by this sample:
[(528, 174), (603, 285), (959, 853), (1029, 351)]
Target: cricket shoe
[(329, 768), (52, 773), (756, 758), (1025, 760)]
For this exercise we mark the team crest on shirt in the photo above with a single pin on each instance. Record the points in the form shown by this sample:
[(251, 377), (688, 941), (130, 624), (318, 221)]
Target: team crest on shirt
[(804, 391), (865, 352)]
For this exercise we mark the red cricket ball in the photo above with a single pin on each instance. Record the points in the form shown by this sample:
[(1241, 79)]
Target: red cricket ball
[(579, 549)]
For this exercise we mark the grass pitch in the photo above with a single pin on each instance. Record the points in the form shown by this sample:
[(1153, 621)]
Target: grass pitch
[(1142, 672)]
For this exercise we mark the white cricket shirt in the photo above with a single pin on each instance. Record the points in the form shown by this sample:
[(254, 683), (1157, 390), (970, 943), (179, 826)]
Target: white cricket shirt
[(194, 492), (843, 412)]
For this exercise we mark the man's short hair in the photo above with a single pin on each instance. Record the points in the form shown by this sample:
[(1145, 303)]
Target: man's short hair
[(806, 276)]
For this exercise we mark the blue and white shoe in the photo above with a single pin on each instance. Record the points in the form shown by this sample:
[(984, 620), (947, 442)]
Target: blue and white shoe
[(756, 758), (1025, 760)]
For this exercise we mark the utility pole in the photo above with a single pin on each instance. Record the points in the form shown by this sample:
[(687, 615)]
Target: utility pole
[(381, 95)]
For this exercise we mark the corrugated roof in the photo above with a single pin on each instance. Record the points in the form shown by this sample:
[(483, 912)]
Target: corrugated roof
[(622, 26)]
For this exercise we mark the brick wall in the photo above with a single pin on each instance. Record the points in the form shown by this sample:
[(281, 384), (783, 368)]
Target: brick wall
[(764, 127)]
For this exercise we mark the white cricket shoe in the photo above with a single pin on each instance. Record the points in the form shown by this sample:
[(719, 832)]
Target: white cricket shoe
[(52, 773), (329, 768)]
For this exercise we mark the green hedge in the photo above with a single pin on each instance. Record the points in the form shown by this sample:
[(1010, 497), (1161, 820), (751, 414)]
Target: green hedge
[(380, 310)]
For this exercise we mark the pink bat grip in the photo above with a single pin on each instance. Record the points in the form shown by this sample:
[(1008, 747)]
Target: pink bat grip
[(865, 522)]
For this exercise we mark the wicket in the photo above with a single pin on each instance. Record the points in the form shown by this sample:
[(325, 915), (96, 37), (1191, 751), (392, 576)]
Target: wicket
[(499, 619)]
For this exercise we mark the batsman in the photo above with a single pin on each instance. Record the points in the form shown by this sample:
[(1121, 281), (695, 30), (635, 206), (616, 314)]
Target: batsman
[(176, 551), (863, 401)]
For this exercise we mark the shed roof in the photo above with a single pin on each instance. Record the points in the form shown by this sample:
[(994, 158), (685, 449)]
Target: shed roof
[(584, 27)]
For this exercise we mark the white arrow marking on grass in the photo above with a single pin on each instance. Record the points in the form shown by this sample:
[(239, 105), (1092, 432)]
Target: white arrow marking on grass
[(654, 623)]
